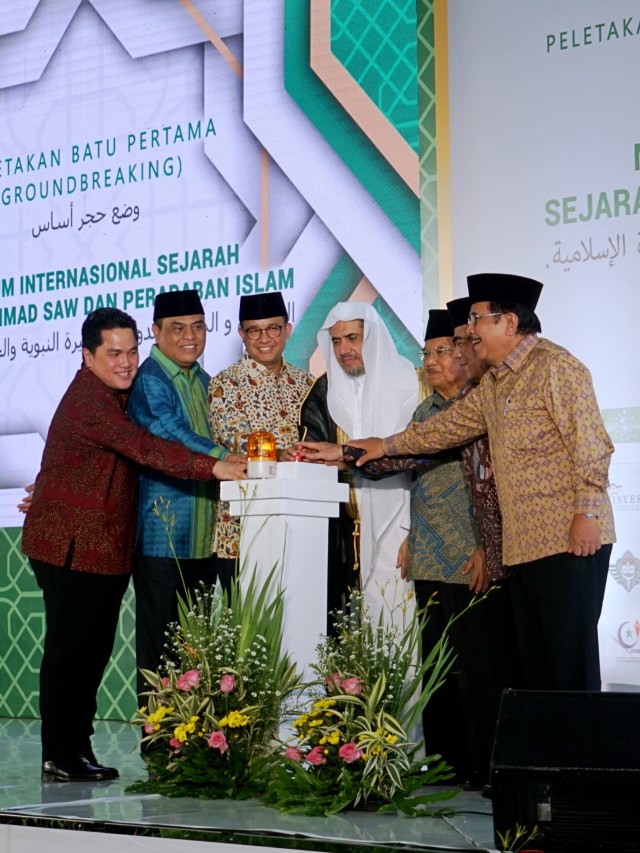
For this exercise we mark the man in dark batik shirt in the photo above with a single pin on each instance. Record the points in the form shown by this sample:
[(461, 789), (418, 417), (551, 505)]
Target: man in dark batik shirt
[(79, 534), (476, 458)]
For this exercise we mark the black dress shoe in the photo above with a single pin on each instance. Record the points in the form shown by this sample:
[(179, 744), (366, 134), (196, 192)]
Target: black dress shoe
[(74, 770), (90, 758)]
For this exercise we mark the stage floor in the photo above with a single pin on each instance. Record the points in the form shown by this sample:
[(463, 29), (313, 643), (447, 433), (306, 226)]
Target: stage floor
[(106, 807)]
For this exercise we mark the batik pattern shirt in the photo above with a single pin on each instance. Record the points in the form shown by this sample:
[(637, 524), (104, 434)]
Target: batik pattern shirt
[(172, 403), (549, 447), (476, 459), (242, 399), (84, 500), (443, 534)]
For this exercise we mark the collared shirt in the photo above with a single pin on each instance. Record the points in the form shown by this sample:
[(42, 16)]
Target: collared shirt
[(476, 459), (193, 394), (85, 494), (549, 446), (172, 403), (443, 534), (242, 399)]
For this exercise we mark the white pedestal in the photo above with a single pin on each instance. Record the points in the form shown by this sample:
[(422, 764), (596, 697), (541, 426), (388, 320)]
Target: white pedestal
[(285, 523)]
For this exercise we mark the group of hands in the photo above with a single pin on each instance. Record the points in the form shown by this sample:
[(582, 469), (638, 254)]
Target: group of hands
[(327, 453), (584, 533), (234, 466)]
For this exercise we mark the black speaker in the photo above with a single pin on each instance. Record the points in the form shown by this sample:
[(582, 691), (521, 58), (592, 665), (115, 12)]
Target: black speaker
[(568, 763)]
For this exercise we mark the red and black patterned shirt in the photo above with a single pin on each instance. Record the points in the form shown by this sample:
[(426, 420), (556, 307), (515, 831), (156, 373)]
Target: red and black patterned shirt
[(84, 500)]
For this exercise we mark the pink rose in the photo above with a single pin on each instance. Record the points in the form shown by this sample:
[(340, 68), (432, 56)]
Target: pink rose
[(227, 683), (188, 680), (316, 756), (164, 682), (333, 681), (352, 686), (218, 741), (349, 753), (149, 729), (293, 754), (177, 746)]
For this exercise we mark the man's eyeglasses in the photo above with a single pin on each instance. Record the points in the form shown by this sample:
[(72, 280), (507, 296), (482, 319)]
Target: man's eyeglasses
[(473, 317), (273, 331), (437, 351)]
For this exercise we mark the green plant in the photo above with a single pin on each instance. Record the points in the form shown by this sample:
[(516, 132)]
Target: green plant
[(516, 844), (214, 710), (351, 748)]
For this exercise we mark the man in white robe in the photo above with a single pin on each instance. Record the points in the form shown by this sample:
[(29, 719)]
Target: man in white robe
[(368, 386)]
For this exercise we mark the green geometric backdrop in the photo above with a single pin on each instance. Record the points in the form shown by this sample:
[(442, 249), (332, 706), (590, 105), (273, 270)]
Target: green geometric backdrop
[(428, 153), (375, 40), (21, 633), (380, 43)]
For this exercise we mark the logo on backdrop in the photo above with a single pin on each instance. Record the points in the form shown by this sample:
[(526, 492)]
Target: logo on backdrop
[(628, 637), (622, 500), (626, 571)]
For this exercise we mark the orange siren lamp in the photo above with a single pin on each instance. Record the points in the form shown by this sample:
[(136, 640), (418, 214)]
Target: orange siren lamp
[(261, 455)]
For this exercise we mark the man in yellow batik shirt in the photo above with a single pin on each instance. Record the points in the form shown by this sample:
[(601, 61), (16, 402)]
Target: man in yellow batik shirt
[(551, 457)]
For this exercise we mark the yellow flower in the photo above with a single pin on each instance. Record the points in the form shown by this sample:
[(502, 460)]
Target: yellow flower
[(235, 719), (300, 721), (183, 731), (142, 710), (391, 738), (321, 704), (315, 723), (332, 738), (159, 715)]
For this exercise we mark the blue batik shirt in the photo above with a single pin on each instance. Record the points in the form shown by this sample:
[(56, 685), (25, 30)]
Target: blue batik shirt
[(172, 403)]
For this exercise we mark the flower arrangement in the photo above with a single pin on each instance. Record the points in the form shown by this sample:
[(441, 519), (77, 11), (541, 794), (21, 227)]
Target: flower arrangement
[(213, 713), (351, 748)]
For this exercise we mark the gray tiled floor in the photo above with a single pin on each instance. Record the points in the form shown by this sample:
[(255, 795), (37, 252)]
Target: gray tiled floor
[(22, 793)]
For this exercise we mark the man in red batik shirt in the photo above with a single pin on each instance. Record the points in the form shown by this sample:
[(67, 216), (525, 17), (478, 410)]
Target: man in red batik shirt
[(79, 532)]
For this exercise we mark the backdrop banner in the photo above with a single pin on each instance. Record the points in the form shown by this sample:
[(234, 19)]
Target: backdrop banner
[(544, 161), (232, 146)]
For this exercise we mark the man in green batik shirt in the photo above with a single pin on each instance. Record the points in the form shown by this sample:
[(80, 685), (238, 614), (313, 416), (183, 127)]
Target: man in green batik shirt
[(169, 398)]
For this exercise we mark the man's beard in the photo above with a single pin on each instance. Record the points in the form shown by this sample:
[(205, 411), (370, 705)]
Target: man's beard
[(354, 372)]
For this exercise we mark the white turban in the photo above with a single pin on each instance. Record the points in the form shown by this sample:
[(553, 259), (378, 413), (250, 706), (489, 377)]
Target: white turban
[(390, 393)]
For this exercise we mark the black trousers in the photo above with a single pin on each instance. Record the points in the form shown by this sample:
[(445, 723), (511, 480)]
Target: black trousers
[(557, 602), (82, 612), (460, 719), (158, 582)]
